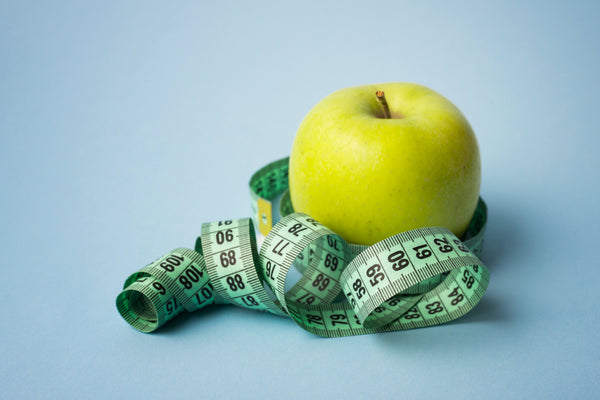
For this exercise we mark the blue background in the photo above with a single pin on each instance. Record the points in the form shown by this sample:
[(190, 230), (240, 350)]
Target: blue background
[(125, 126)]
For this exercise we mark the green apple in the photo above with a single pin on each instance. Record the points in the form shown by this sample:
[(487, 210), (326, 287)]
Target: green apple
[(375, 160)]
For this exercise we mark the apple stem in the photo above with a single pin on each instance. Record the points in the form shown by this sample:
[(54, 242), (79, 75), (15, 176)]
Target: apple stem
[(384, 105)]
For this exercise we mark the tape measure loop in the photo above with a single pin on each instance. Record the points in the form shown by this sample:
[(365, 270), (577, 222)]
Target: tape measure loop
[(163, 289), (402, 264), (318, 252), (231, 255)]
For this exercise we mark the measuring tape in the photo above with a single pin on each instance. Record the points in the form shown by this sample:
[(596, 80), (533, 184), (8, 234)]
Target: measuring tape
[(423, 277)]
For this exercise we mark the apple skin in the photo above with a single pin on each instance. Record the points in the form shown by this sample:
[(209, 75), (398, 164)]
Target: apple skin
[(367, 177)]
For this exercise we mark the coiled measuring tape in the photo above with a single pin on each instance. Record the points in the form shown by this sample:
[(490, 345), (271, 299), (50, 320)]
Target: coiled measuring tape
[(419, 278)]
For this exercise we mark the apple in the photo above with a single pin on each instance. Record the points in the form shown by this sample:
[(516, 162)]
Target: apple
[(374, 160)]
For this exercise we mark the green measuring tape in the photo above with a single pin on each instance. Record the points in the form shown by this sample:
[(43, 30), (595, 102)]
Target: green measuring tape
[(418, 278)]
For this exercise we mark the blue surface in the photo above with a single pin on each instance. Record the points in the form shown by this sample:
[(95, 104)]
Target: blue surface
[(123, 127)]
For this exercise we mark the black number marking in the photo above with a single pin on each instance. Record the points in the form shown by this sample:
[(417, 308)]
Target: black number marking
[(468, 279), (171, 262), (444, 245), (296, 229), (359, 289), (338, 319), (321, 282), (458, 297), (224, 236), (331, 242), (374, 273), (235, 282), (312, 222), (207, 293), (227, 258), (398, 260), (171, 305), (461, 246), (270, 270), (331, 261), (435, 307), (278, 250), (161, 289), (314, 319), (306, 299), (250, 301), (422, 254)]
